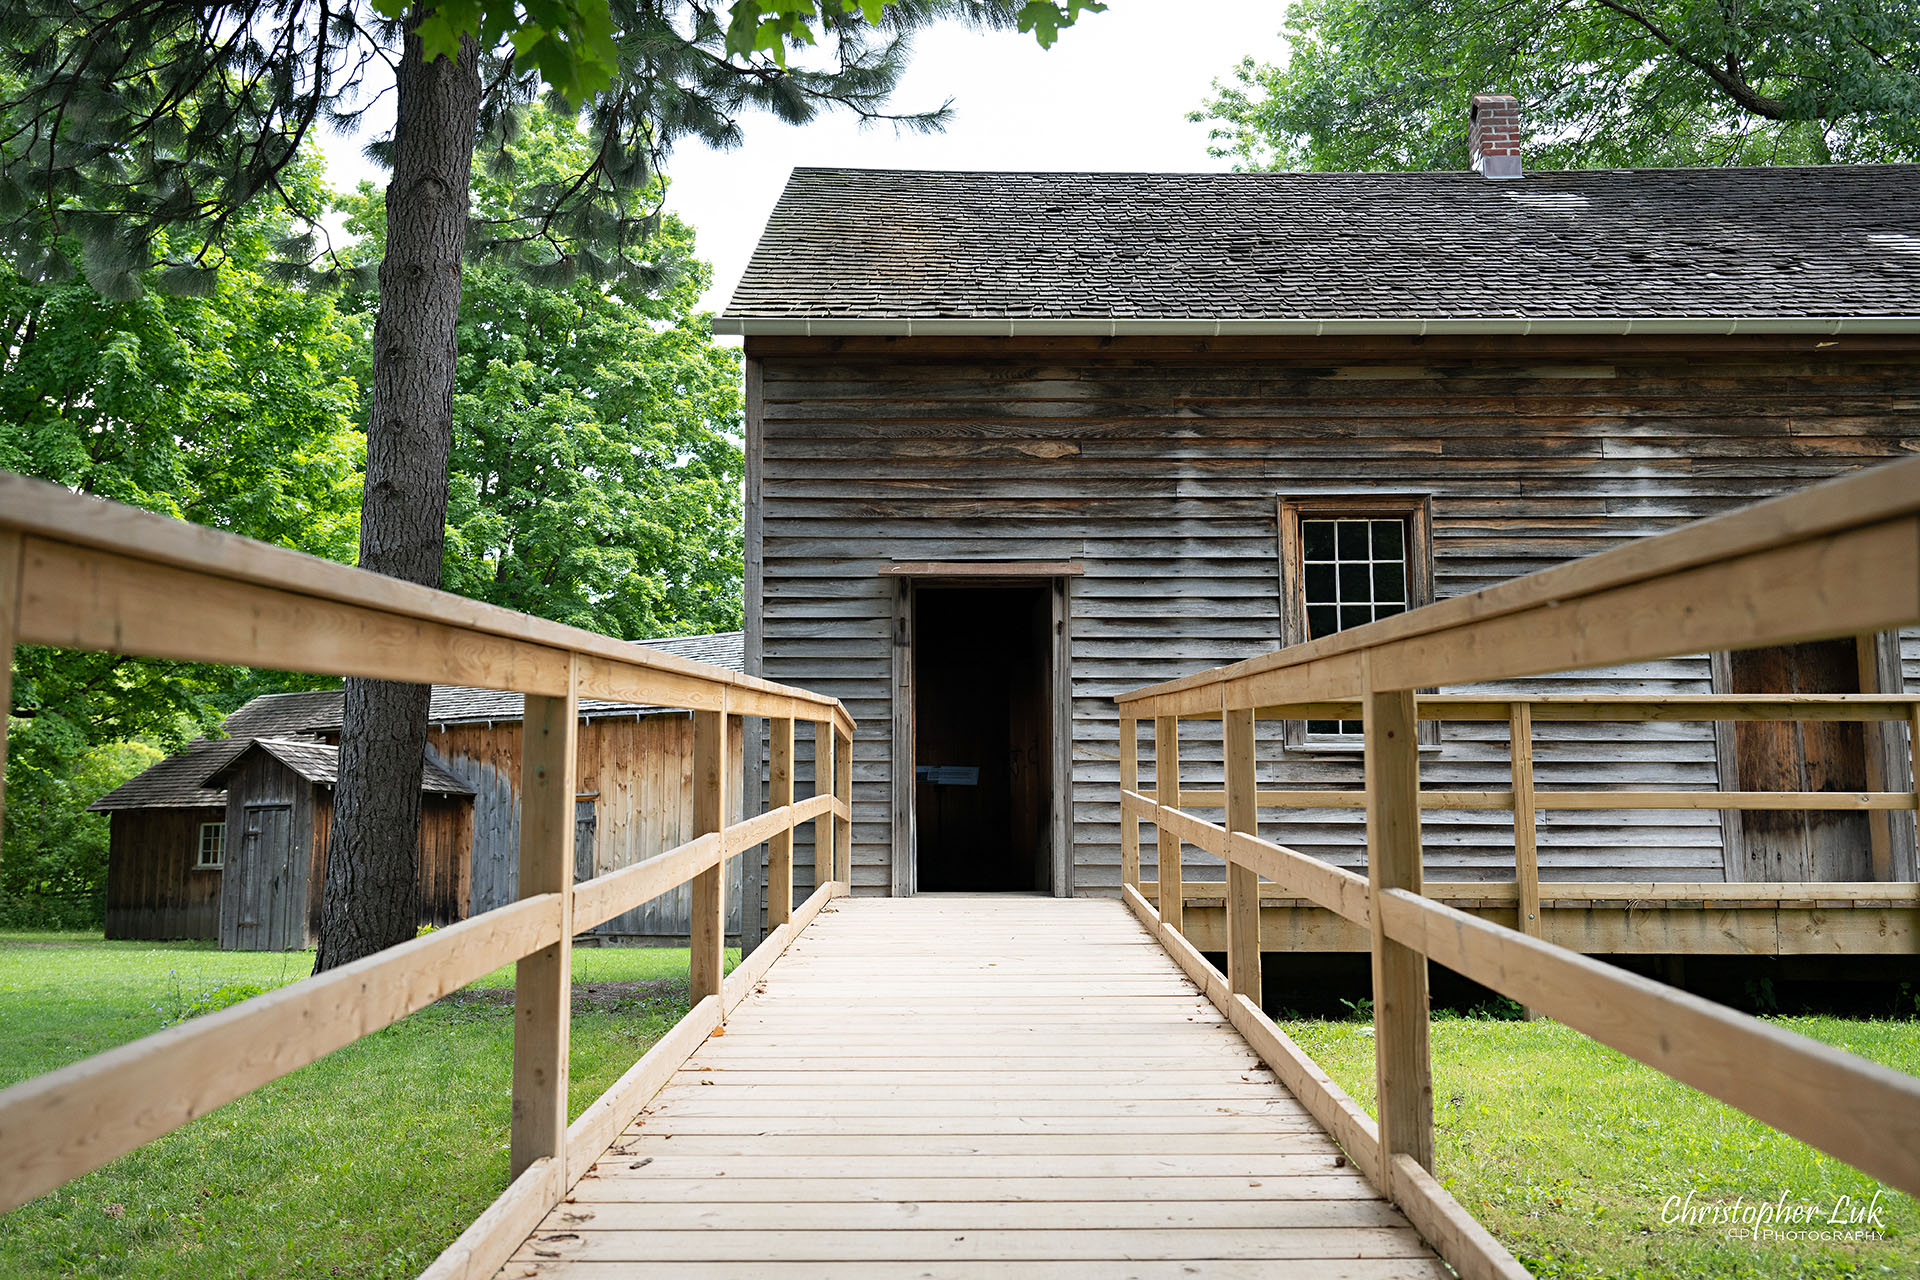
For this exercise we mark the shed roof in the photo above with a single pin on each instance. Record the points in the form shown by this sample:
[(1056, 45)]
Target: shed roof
[(1643, 250), (182, 779), (320, 762)]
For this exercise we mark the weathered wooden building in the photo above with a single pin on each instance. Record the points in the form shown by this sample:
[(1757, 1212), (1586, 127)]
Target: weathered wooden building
[(1019, 442), (167, 828), (279, 815), (635, 780), (227, 838)]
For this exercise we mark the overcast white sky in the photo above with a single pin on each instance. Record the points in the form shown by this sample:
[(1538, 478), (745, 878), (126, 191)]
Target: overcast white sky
[(1112, 94)]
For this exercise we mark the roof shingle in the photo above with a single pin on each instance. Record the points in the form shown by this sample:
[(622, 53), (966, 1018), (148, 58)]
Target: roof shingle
[(320, 762), (857, 244)]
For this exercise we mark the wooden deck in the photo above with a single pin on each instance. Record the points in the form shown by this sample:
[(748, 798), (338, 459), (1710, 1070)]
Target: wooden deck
[(971, 1086)]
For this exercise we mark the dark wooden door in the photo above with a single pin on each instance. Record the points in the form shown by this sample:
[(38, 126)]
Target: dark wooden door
[(585, 824), (1786, 755), (983, 739), (261, 882)]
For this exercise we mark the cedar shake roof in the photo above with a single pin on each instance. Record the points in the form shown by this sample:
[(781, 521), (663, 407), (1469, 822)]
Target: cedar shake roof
[(182, 780), (848, 249), (320, 762)]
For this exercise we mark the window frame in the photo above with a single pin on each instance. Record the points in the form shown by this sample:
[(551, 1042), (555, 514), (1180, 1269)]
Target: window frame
[(1413, 507), (200, 862)]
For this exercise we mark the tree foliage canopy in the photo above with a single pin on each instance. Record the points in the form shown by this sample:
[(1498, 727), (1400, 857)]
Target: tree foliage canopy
[(1384, 84), (595, 477), (236, 410), (139, 128)]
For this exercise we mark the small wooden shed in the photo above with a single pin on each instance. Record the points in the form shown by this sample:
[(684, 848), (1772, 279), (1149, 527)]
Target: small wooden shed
[(167, 832), (177, 833), (279, 815)]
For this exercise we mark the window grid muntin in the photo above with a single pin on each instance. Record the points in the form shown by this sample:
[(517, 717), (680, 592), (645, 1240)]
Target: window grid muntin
[(212, 854), (1345, 563)]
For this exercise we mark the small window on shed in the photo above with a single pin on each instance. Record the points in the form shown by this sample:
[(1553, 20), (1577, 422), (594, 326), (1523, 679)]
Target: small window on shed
[(1346, 561), (213, 846)]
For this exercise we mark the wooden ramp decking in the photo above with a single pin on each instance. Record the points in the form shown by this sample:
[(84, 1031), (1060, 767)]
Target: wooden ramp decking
[(951, 1086)]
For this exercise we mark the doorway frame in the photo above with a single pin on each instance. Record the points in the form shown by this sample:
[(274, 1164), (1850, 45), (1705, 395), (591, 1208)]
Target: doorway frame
[(907, 577)]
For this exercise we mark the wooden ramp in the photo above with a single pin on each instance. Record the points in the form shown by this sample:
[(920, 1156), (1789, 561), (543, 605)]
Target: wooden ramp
[(974, 1086)]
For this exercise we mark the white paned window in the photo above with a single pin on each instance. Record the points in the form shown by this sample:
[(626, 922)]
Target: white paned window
[(213, 846)]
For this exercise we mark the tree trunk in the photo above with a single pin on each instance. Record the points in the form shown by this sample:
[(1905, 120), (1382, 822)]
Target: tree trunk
[(371, 898)]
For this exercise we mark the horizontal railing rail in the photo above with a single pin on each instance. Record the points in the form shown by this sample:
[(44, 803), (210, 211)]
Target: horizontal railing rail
[(1523, 798), (1842, 559), (78, 573)]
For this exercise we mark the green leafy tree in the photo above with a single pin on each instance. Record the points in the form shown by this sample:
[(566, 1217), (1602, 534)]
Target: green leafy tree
[(234, 410), (140, 126), (595, 470), (1384, 84)]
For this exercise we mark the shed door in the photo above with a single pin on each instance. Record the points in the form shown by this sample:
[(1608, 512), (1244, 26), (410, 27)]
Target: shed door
[(585, 823), (260, 876), (1815, 755)]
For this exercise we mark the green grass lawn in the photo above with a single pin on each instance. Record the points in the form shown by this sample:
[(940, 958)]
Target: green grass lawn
[(1569, 1151), (364, 1164)]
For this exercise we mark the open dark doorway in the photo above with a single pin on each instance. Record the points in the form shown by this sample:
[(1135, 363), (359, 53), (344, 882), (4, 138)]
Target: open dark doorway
[(983, 735)]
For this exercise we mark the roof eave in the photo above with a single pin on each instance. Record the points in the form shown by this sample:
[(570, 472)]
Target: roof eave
[(1109, 327)]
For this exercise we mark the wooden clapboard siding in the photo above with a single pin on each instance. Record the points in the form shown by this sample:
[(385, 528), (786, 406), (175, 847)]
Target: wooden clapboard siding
[(445, 875), (154, 890), (637, 771), (1156, 464)]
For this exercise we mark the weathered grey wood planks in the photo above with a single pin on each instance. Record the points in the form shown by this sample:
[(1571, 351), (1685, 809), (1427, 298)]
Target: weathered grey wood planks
[(981, 1087), (1156, 466)]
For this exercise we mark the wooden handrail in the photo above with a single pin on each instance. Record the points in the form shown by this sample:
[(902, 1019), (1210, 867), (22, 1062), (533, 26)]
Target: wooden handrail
[(80, 573), (1845, 548), (1840, 559)]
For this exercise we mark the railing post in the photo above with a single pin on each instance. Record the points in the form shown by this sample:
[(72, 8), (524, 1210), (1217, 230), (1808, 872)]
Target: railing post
[(708, 928), (1913, 750), (543, 981), (780, 847), (823, 754), (12, 546), (1129, 781), (1403, 1065), (1526, 835), (1166, 790), (843, 791), (1243, 883)]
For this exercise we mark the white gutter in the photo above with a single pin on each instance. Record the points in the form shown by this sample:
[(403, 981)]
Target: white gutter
[(1098, 327)]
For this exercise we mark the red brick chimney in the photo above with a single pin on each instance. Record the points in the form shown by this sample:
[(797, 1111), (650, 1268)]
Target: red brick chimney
[(1493, 136)]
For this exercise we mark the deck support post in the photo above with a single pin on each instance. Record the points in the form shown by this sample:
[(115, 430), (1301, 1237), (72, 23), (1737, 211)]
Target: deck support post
[(1913, 748), (1526, 836), (823, 826), (12, 547), (1243, 883), (707, 929), (543, 981), (1129, 781), (780, 847), (1166, 790), (1403, 1063), (843, 792)]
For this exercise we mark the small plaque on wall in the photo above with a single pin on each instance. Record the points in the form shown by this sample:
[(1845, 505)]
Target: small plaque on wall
[(949, 775)]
